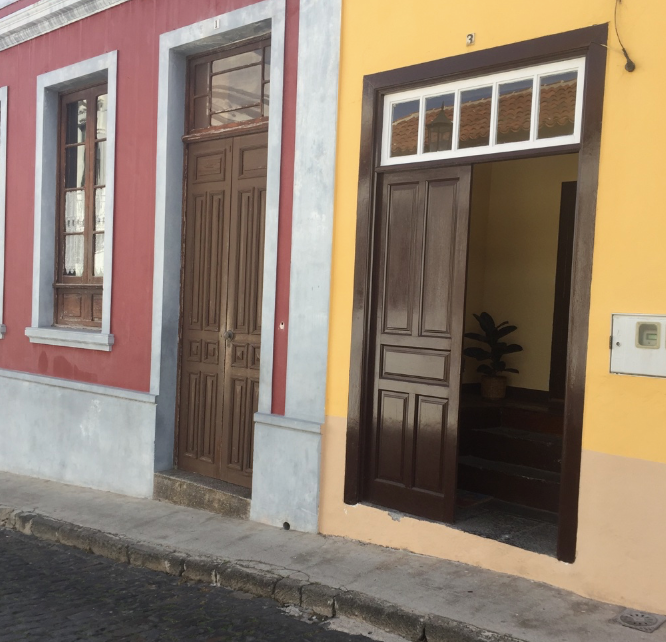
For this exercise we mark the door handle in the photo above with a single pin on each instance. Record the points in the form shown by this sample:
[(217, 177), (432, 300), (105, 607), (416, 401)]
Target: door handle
[(229, 335)]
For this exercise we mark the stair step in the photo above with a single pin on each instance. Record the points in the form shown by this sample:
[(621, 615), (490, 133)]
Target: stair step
[(204, 493), (533, 420), (514, 446), (522, 485)]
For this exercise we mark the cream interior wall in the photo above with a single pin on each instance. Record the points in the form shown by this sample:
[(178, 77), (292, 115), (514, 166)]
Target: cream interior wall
[(513, 257), (476, 257)]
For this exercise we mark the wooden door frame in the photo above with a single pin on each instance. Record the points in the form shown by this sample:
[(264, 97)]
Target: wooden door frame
[(558, 345), (590, 42)]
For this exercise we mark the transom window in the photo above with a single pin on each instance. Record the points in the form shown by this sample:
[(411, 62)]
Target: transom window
[(526, 108), (230, 87), (81, 206)]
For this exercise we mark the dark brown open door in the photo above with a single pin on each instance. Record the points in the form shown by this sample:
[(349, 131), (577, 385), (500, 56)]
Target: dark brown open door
[(416, 340), (221, 317)]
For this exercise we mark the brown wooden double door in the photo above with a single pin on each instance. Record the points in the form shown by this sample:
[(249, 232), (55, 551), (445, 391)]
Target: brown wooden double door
[(222, 286), (415, 340)]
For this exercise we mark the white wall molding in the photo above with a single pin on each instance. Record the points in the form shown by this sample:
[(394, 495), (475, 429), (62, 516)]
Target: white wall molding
[(80, 386), (102, 68), (86, 339), (77, 433), (46, 15), (175, 46), (287, 422), (3, 192)]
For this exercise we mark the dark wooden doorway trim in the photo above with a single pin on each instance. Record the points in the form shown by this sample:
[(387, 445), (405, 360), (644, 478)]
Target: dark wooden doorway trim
[(558, 350), (590, 42)]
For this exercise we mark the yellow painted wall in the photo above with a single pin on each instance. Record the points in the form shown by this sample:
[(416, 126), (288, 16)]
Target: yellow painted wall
[(512, 261), (620, 555)]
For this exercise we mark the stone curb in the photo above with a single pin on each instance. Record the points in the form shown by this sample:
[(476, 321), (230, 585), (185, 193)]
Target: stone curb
[(323, 600)]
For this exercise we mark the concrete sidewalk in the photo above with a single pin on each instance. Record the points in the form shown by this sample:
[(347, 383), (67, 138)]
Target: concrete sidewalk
[(396, 590)]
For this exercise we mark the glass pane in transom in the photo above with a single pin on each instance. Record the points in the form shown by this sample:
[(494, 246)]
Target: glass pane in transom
[(405, 128), (267, 97), (557, 104), (235, 116), (475, 108), (76, 122), (514, 111), (267, 63), (438, 135), (236, 89), (239, 60)]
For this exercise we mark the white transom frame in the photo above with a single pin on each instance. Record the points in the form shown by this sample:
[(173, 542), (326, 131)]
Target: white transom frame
[(534, 73)]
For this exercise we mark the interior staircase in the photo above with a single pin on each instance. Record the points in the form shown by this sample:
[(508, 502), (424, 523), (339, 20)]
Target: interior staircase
[(511, 451)]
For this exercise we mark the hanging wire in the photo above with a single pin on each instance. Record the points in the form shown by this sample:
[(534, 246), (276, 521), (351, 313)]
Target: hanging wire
[(630, 66)]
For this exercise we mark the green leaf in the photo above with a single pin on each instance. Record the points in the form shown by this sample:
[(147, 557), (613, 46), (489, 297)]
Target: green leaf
[(506, 330), (514, 347), (485, 369), (476, 336), (477, 353), (487, 324), (511, 370), (502, 324), (498, 349)]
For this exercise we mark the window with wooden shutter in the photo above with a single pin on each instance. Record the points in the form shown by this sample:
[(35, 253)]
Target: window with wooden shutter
[(79, 270)]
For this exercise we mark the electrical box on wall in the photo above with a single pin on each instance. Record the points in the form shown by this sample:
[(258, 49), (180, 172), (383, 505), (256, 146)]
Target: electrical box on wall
[(638, 345)]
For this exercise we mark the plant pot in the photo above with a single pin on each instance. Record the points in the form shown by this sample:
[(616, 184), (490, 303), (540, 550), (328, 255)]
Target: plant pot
[(493, 387)]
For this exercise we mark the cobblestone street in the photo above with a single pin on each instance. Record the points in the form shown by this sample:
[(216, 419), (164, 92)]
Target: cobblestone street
[(50, 592)]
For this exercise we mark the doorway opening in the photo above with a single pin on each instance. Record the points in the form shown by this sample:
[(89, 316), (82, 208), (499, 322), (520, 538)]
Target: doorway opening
[(519, 273), (405, 383), (224, 211)]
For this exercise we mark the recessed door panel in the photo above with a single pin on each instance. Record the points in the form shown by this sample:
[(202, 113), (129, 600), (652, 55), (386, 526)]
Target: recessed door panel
[(436, 260), (416, 340), (393, 417), (399, 257), (429, 443)]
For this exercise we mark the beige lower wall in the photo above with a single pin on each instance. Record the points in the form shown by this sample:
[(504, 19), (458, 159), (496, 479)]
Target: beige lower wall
[(621, 538)]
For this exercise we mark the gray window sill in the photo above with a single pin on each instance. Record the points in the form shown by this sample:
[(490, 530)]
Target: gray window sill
[(86, 339), (3, 329)]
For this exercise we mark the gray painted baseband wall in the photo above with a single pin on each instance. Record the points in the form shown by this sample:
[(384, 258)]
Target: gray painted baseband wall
[(77, 433), (287, 458)]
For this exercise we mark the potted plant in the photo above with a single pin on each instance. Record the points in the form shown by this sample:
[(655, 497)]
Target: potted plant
[(493, 381)]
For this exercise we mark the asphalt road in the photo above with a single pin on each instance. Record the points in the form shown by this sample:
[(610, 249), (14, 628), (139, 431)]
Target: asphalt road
[(52, 593)]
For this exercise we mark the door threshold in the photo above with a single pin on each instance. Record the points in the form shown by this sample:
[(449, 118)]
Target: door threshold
[(203, 493)]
